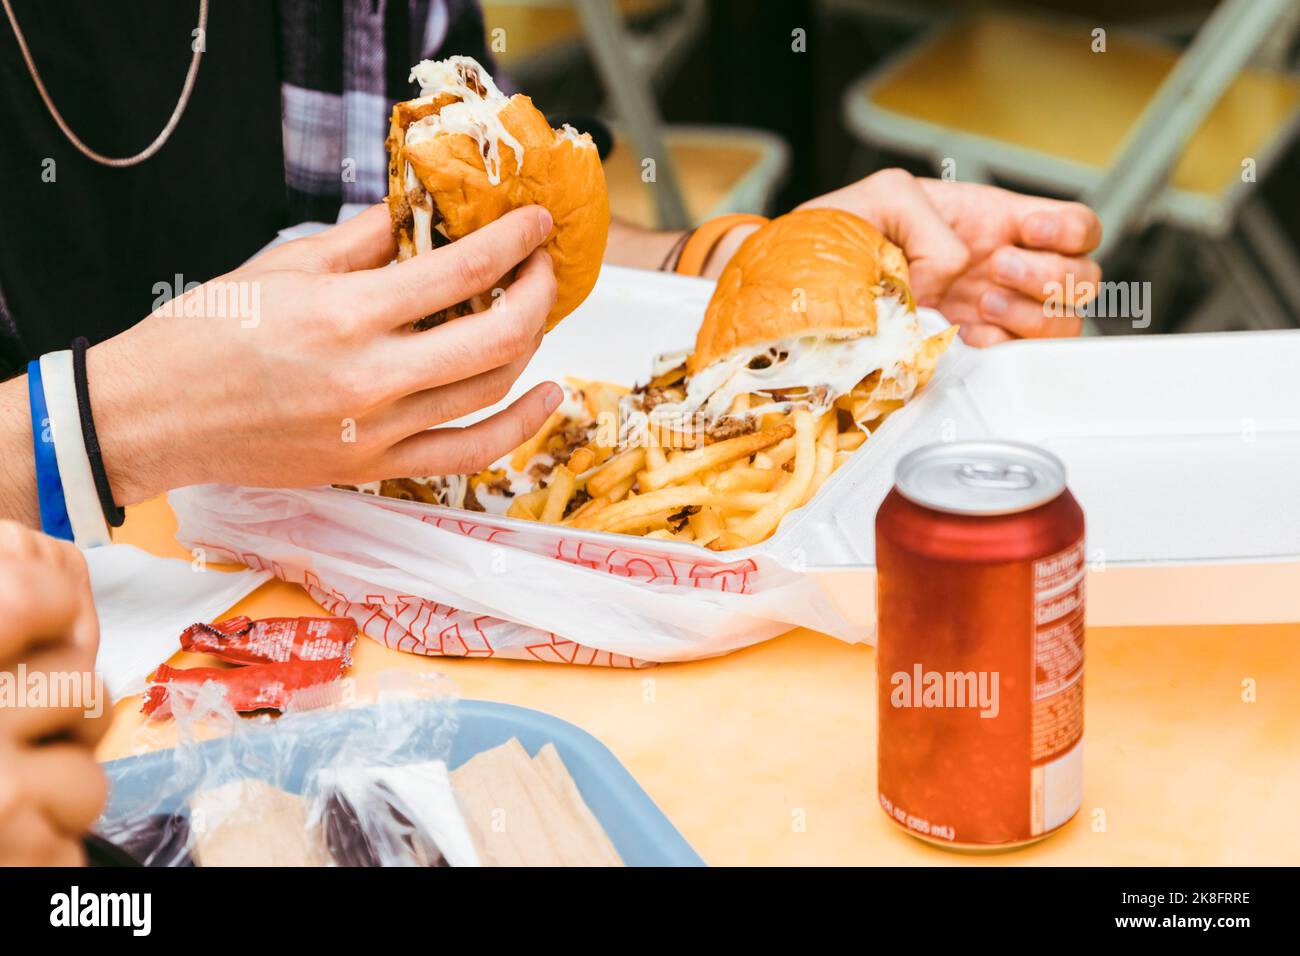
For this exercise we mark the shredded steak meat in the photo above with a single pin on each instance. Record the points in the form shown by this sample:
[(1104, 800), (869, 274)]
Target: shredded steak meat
[(580, 498), (403, 216), (498, 484), (678, 521), (654, 395), (572, 436), (471, 499), (730, 426), (446, 315), (816, 396)]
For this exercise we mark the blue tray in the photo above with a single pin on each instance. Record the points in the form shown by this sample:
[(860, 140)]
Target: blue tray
[(641, 833), (639, 830)]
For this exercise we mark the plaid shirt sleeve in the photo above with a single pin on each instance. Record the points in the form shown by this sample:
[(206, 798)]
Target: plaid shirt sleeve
[(343, 64)]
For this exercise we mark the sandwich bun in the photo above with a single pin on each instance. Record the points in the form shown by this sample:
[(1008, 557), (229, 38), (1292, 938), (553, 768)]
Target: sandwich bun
[(464, 155), (812, 272)]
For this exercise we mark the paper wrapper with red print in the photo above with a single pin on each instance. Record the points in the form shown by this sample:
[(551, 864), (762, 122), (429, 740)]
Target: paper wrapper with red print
[(437, 581)]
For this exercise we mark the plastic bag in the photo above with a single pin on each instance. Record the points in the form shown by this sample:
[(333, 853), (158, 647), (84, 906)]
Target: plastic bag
[(438, 582), (347, 776)]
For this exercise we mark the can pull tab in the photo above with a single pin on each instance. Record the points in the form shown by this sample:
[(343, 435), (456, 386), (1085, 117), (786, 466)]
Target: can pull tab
[(1014, 477)]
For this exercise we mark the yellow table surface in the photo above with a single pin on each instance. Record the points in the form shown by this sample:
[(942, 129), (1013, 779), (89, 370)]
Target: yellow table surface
[(1037, 84), (767, 756)]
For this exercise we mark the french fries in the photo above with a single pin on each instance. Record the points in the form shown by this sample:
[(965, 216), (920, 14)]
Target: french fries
[(825, 456), (721, 495), (528, 505), (728, 541), (582, 459), (764, 521), (622, 489), (848, 441), (689, 463), (614, 471), (522, 455), (651, 503), (680, 486), (559, 491), (741, 477), (706, 524), (780, 454), (587, 507), (518, 509)]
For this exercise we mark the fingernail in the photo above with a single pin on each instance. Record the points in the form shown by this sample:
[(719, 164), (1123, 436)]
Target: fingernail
[(1010, 267), (545, 221), (1042, 229), (553, 398), (994, 303)]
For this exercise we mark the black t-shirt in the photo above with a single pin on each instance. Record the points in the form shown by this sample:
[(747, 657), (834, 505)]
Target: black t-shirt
[(85, 253)]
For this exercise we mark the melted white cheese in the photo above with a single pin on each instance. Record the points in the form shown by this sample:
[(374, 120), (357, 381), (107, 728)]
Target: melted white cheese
[(667, 361), (478, 117), (803, 361), (422, 212), (567, 132)]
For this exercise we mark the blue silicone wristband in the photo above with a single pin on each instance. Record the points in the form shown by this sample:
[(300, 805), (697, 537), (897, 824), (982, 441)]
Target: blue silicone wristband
[(49, 487)]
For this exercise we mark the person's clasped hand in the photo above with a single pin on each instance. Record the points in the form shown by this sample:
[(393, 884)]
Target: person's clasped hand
[(327, 382), (999, 264), (53, 710)]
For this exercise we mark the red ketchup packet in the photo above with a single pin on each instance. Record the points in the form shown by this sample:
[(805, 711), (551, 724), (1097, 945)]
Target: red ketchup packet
[(254, 687), (274, 639)]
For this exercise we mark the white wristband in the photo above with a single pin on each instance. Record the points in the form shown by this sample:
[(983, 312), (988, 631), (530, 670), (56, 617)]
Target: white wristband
[(84, 510)]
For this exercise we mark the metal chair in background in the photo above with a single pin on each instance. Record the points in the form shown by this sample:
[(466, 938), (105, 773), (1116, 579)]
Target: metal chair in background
[(1143, 132), (658, 175)]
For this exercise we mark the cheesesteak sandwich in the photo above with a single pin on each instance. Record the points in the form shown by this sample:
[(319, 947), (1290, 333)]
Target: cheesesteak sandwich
[(463, 154), (814, 312)]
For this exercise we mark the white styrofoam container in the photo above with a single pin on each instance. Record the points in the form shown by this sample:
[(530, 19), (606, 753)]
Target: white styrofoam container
[(1183, 451)]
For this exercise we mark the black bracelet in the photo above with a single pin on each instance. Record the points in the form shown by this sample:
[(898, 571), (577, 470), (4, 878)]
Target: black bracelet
[(112, 513), (675, 253)]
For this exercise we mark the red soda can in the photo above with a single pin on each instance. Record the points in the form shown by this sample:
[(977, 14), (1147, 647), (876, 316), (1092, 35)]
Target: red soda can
[(979, 657)]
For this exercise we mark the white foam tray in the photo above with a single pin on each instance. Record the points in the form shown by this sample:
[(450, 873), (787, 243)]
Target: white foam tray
[(1183, 451)]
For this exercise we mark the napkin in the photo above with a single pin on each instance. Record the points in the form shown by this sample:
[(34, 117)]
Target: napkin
[(144, 602)]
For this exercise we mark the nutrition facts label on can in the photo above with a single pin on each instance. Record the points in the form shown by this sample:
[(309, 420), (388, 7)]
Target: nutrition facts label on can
[(1058, 622), (1057, 721)]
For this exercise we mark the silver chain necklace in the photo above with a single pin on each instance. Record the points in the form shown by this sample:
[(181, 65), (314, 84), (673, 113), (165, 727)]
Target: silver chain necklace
[(167, 130)]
